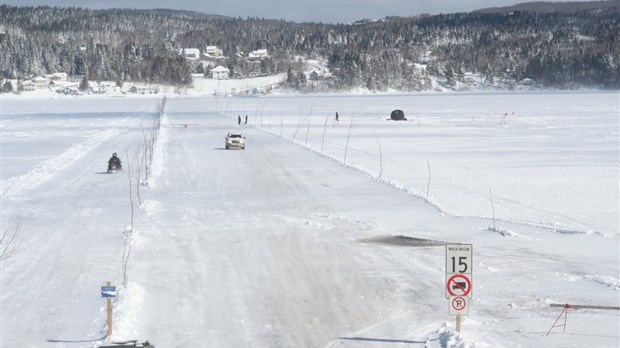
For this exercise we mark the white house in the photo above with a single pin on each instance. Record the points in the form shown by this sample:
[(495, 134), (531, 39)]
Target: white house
[(99, 89), (220, 73), (40, 82), (28, 86), (258, 54), (191, 53), (213, 51), (469, 78), (57, 77)]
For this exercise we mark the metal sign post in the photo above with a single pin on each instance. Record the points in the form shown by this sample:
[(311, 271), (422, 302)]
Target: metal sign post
[(459, 267), (108, 292)]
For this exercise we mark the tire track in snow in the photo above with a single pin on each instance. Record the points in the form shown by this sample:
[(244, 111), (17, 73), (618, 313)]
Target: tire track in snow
[(50, 166)]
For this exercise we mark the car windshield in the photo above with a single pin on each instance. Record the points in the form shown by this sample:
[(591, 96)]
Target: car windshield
[(235, 136)]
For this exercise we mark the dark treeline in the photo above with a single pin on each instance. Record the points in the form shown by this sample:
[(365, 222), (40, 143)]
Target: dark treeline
[(564, 50)]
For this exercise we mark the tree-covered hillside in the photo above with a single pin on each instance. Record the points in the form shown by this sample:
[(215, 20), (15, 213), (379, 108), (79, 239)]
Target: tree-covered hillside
[(563, 50)]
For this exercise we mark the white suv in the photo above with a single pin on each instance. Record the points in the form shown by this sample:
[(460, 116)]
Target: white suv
[(234, 139)]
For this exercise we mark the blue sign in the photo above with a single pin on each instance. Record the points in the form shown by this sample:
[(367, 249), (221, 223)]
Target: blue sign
[(108, 291)]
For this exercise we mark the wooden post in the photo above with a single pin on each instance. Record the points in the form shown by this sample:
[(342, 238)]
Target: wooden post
[(458, 323), (109, 312)]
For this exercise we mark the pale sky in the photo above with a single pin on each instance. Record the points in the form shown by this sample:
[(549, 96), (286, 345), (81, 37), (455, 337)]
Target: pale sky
[(326, 11)]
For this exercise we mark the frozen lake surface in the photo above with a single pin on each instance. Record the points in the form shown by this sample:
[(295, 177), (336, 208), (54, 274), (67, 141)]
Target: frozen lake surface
[(322, 232)]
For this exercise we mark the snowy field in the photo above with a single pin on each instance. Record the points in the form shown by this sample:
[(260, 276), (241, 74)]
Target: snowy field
[(311, 237)]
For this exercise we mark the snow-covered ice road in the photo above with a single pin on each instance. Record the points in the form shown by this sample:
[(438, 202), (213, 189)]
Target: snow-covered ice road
[(269, 243)]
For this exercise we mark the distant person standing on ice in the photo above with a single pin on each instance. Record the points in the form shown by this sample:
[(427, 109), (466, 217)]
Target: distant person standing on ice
[(238, 119), (336, 116), (246, 119)]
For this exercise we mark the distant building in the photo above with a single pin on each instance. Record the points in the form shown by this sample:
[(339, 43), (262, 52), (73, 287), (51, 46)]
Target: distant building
[(469, 78), (28, 86), (99, 89), (258, 54), (220, 73), (143, 90), (57, 77), (527, 82), (192, 53), (314, 75), (213, 51), (68, 91), (40, 82)]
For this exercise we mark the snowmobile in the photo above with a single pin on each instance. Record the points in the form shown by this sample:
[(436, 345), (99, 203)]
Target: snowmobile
[(114, 164), (114, 167)]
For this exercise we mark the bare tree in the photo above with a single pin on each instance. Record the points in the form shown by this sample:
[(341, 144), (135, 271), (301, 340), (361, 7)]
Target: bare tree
[(380, 157), (309, 118), (307, 132), (147, 152), (300, 121), (261, 115), (127, 234), (346, 148), (149, 138), (138, 173), (143, 157), (324, 128), (493, 208), (126, 254), (428, 185)]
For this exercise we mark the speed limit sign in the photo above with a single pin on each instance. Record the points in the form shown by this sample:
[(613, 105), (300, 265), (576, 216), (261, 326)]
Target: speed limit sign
[(459, 267)]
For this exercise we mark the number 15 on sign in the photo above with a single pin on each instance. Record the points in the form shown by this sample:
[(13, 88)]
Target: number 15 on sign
[(459, 262)]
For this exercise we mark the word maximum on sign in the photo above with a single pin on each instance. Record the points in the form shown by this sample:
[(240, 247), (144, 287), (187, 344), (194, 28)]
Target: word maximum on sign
[(458, 258)]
